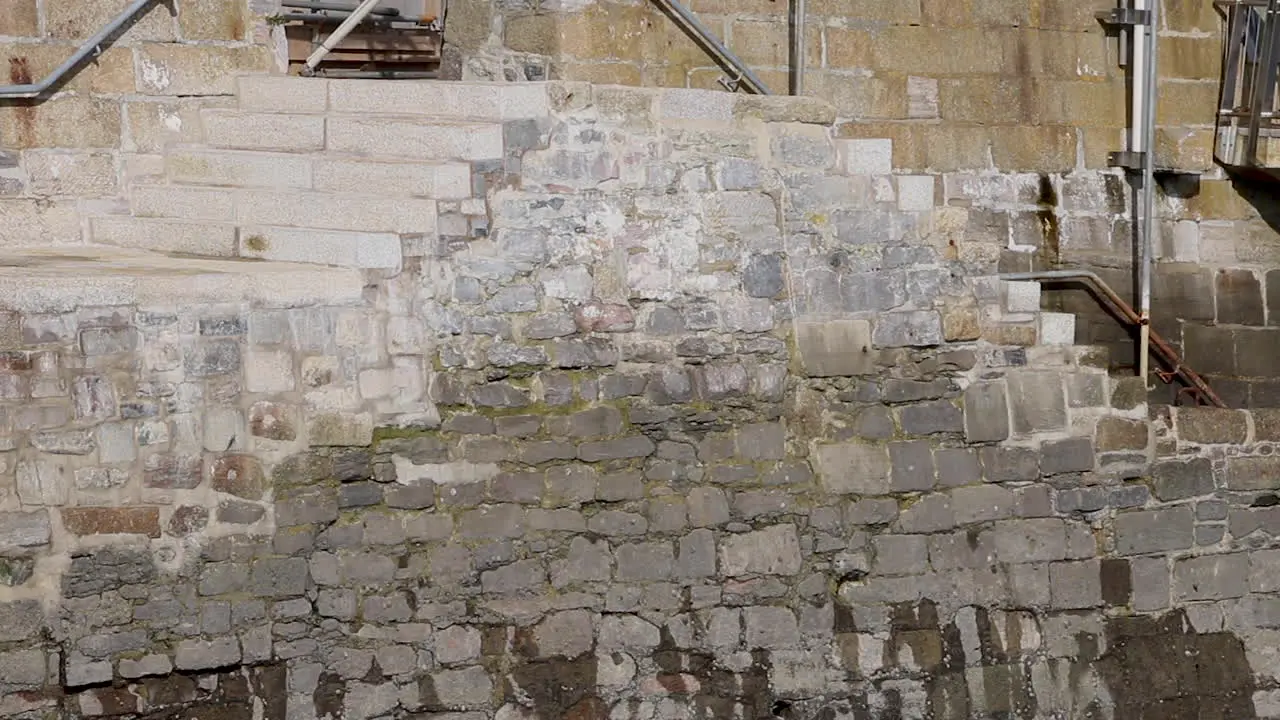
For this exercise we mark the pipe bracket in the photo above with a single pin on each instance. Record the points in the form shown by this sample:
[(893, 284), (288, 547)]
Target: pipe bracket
[(1124, 16), (1127, 159)]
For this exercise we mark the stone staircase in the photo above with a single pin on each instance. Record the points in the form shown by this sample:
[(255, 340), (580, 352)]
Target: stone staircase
[(331, 173)]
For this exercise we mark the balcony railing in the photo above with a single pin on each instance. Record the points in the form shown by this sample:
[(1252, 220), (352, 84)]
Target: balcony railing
[(1248, 134)]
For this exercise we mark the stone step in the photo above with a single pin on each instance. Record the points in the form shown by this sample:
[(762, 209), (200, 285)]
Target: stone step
[(58, 280), (400, 137), (250, 169), (1020, 297), (426, 98), (351, 212)]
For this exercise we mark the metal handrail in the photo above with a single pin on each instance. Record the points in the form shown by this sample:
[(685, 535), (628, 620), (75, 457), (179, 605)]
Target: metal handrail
[(694, 27), (92, 46), (1158, 343)]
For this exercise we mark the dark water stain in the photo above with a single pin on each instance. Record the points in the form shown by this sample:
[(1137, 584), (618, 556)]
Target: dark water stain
[(557, 688), (1161, 669), (1047, 214), (330, 692)]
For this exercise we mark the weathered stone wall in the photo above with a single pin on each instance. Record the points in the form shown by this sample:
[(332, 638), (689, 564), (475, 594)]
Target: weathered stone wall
[(108, 122), (1026, 94), (678, 405)]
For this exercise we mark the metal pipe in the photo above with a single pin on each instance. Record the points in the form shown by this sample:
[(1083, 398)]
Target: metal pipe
[(382, 74), (1161, 346), (702, 34), (797, 63), (357, 16), (92, 46), (335, 7), (332, 19), (1148, 187)]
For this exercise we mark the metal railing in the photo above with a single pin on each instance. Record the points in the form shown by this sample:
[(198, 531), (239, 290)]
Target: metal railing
[(1195, 385), (91, 48), (1247, 112)]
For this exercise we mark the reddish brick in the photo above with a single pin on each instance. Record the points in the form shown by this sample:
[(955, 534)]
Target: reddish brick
[(239, 475), (112, 521)]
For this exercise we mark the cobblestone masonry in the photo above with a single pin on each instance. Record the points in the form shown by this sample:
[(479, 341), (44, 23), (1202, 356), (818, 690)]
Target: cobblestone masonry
[(626, 404)]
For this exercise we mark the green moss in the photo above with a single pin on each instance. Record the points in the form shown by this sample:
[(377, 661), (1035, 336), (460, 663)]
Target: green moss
[(398, 433)]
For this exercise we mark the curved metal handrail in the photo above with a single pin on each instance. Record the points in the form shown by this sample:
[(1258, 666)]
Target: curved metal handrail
[(92, 46), (1158, 343)]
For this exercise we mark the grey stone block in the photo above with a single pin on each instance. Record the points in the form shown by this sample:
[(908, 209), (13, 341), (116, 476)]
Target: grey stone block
[(930, 513), (1038, 402), (1075, 585), (620, 448), (207, 654), (981, 503), (644, 561), (627, 632), (21, 531), (279, 577), (917, 328), (770, 551), (459, 689), (770, 628), (900, 554), (957, 466), (1082, 500), (1066, 456), (1211, 577), (1178, 480), (1004, 464), (523, 576), (929, 418), (697, 555), (1030, 540), (835, 348), (912, 466), (986, 412), (872, 512), (853, 468), (1150, 531), (617, 522)]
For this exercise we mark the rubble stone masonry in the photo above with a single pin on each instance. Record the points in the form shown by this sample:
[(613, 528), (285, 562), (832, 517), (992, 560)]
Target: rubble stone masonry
[(569, 401)]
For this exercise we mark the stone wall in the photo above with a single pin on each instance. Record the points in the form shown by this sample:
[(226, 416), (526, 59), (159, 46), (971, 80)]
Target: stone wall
[(1015, 104), (628, 404)]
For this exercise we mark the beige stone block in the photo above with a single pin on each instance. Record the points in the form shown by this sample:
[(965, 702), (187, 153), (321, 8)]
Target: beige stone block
[(1191, 58), (849, 48), (870, 98), (239, 169), (156, 124), (1219, 200), (80, 19), (38, 222), (603, 32), (471, 100), (213, 19), (976, 13), (914, 50), (1184, 149), (446, 181), (1071, 14), (63, 122), (735, 7), (929, 148), (1062, 54), (92, 174), (1046, 149), (170, 69), (110, 72), (334, 211), (414, 139), (18, 18), (1098, 144), (1193, 103), (768, 44), (183, 203), (899, 12), (835, 347), (1084, 102), (172, 236), (987, 99), (263, 131), (666, 44), (536, 33), (601, 73), (1187, 16), (274, 93), (777, 81)]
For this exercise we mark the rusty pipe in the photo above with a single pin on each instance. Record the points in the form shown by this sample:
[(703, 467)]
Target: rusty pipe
[(1158, 343)]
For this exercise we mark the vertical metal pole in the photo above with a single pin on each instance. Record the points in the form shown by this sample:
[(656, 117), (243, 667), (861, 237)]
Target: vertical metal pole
[(1150, 89), (798, 61)]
